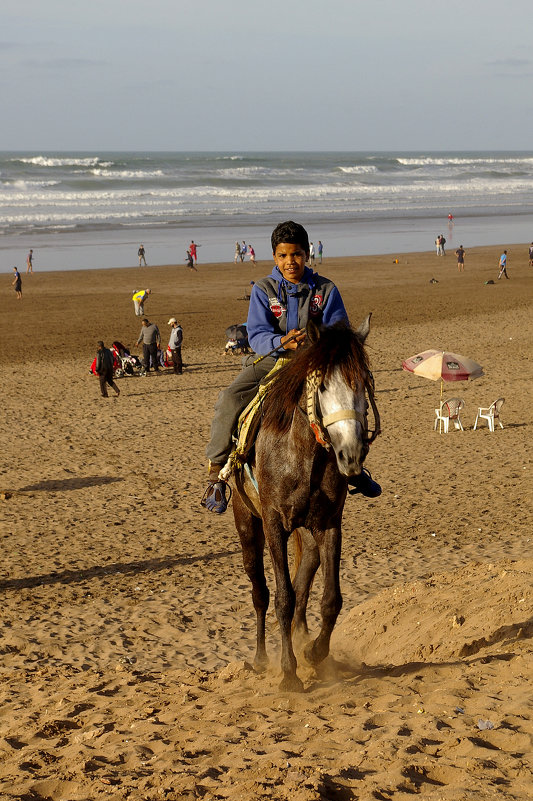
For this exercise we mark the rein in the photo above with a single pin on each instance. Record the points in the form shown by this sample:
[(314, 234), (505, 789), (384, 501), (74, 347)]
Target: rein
[(319, 424)]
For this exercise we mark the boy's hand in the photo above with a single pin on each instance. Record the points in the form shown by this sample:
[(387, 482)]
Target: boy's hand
[(293, 340)]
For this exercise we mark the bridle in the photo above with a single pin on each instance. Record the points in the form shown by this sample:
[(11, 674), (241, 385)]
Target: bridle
[(319, 423)]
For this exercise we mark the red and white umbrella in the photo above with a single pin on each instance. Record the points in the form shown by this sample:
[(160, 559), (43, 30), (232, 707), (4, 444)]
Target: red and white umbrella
[(435, 364)]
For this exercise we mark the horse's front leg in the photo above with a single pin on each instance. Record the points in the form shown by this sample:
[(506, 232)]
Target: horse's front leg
[(284, 602), (308, 560), (252, 539), (329, 544)]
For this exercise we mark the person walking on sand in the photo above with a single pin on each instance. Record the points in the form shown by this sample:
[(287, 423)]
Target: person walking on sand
[(174, 344), (460, 253), (29, 262), (141, 255), (190, 262), (139, 298), (192, 250), (104, 369), (252, 254), (237, 252), (244, 250), (531, 255), (151, 341), (320, 251), (17, 283), (503, 265)]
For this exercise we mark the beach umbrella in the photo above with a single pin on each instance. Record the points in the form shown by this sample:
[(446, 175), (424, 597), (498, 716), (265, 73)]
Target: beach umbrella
[(435, 364)]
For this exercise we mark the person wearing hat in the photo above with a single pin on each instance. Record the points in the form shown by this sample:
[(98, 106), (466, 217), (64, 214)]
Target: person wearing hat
[(174, 344), (104, 369), (138, 298)]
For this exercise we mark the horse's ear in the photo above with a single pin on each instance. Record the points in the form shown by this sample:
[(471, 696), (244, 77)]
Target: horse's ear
[(312, 331), (364, 329)]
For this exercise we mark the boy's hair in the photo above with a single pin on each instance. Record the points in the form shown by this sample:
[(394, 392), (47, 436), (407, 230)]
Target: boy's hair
[(290, 232)]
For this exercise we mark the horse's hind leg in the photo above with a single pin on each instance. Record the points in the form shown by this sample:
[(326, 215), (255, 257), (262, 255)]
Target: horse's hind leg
[(250, 530), (331, 604), (307, 560)]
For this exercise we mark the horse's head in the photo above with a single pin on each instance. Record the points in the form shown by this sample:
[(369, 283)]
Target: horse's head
[(337, 405)]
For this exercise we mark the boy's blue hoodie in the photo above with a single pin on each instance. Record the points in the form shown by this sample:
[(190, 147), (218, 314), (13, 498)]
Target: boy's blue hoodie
[(277, 306)]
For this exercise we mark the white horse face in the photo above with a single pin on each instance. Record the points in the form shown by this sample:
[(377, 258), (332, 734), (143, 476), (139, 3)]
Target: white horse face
[(346, 434)]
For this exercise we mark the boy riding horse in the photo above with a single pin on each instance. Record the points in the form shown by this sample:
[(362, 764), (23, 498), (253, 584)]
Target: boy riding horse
[(280, 306)]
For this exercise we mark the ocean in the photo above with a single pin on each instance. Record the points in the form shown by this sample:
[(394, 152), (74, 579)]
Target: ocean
[(80, 210)]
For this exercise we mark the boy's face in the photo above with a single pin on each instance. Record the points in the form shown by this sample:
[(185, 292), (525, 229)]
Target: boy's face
[(290, 260)]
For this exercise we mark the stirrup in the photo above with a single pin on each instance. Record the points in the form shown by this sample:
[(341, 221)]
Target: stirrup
[(364, 484), (210, 500)]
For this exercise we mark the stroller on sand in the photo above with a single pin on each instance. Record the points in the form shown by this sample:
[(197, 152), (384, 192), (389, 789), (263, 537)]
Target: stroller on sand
[(237, 340), (125, 362)]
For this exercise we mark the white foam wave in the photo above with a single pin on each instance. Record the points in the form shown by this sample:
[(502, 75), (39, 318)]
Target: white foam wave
[(48, 161), (124, 175), (359, 169), (445, 161)]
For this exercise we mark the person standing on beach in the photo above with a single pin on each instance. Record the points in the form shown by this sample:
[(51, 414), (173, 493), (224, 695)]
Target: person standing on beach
[(252, 254), (29, 262), (17, 283), (151, 341), (460, 253), (174, 344), (442, 243), (192, 250), (503, 265), (311, 253), (104, 369), (141, 255), (244, 250), (531, 255), (320, 251), (438, 245), (237, 252), (139, 297)]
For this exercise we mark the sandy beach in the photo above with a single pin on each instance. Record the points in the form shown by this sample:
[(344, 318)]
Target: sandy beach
[(128, 629)]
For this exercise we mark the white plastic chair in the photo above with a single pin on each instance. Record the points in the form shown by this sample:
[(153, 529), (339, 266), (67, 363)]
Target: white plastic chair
[(491, 414), (449, 410)]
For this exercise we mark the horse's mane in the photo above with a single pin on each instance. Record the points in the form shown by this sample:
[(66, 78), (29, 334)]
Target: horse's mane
[(337, 346)]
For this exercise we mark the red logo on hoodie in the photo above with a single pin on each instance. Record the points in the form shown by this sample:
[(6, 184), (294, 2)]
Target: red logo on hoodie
[(276, 308)]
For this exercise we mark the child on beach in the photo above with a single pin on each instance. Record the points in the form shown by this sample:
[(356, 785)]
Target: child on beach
[(280, 306), (190, 262), (17, 283)]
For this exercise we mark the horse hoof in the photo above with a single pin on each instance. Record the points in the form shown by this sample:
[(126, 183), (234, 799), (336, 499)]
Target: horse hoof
[(291, 684), (260, 665), (311, 656)]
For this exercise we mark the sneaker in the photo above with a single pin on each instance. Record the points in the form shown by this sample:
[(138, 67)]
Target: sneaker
[(214, 498), (365, 484)]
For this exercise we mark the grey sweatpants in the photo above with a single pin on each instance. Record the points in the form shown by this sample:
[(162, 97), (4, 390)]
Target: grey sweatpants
[(231, 403)]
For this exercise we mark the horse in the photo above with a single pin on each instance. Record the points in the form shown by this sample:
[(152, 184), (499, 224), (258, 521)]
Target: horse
[(296, 482)]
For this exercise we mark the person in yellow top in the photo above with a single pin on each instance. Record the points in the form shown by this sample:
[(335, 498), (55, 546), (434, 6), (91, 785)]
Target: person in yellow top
[(138, 299)]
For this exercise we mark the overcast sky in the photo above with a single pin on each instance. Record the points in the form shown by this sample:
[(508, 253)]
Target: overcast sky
[(272, 75)]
